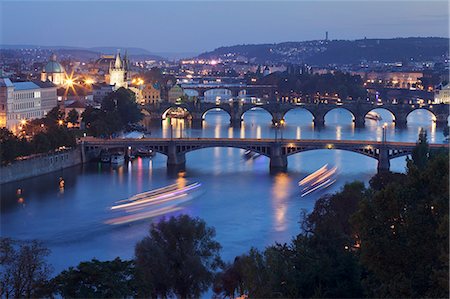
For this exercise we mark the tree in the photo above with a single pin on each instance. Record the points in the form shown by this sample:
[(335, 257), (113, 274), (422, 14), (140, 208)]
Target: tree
[(420, 153), (96, 279), (24, 271), (53, 117), (403, 229), (72, 117), (321, 261), (123, 101), (8, 146), (178, 257)]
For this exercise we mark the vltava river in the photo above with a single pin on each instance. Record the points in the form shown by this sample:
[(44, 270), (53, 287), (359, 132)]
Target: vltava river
[(247, 206)]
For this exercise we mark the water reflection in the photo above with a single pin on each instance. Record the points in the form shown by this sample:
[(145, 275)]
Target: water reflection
[(280, 195)]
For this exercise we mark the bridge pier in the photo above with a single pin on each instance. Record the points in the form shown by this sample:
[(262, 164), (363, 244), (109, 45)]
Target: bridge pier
[(278, 161), (197, 123), (400, 120), (383, 160), (175, 160), (319, 122), (359, 121), (441, 121), (236, 122)]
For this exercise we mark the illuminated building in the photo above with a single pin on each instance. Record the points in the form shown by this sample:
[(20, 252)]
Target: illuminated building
[(442, 95), (175, 93), (118, 72), (24, 101), (151, 93), (53, 71)]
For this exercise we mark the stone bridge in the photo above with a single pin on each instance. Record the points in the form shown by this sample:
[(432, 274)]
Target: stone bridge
[(261, 91), (276, 150), (236, 110)]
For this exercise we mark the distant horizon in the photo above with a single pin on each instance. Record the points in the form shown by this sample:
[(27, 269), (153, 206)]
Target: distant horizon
[(93, 48)]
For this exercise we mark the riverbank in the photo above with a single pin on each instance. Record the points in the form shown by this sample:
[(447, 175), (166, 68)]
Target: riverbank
[(40, 164)]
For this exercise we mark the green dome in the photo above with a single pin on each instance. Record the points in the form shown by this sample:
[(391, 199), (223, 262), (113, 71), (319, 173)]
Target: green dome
[(53, 66)]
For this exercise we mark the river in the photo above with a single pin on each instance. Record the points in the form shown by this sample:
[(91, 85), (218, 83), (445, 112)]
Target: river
[(246, 205)]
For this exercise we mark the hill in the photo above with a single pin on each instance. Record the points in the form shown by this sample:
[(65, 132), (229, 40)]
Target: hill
[(322, 52)]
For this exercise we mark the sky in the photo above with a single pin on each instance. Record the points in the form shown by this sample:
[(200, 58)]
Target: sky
[(197, 26)]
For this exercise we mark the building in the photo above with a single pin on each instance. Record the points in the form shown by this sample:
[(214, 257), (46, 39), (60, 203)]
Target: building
[(100, 91), (442, 95), (175, 94), (53, 71), (119, 72), (151, 94), (21, 102)]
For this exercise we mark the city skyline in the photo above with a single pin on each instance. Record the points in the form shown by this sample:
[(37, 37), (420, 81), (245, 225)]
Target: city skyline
[(195, 27)]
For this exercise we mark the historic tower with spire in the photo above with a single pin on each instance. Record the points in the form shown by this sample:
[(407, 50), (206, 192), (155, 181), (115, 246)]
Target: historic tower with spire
[(118, 72)]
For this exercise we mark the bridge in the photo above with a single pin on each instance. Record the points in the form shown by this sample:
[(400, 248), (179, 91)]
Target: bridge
[(237, 108), (276, 150)]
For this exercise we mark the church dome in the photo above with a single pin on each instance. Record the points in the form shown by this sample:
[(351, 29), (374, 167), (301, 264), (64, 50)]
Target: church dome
[(53, 66)]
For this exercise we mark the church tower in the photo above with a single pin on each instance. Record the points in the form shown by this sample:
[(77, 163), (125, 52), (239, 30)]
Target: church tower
[(118, 72)]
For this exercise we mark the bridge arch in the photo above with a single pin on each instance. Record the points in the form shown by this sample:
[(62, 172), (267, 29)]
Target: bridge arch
[(174, 108), (379, 110), (429, 114), (327, 113), (292, 115), (191, 92), (253, 108), (215, 108)]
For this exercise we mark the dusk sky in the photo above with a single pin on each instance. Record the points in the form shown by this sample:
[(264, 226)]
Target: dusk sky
[(196, 26)]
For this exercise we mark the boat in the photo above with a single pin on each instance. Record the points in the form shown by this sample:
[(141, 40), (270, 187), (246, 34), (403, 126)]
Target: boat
[(105, 157), (373, 116), (152, 203), (248, 154), (142, 152), (117, 158), (318, 180)]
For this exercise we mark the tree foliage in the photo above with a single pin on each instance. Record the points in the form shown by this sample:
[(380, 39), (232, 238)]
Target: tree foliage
[(118, 110), (72, 117), (319, 262), (178, 257), (23, 269), (96, 279), (403, 229)]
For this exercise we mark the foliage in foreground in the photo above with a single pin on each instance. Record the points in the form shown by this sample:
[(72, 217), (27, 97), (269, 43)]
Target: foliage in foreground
[(24, 272), (178, 257)]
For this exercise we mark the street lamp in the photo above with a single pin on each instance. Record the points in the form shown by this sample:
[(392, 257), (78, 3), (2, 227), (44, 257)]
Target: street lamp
[(276, 131), (281, 128), (384, 132)]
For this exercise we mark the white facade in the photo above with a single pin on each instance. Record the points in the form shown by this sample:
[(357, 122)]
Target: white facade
[(442, 96), (21, 102)]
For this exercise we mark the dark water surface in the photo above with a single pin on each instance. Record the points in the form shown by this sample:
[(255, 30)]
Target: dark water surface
[(247, 206)]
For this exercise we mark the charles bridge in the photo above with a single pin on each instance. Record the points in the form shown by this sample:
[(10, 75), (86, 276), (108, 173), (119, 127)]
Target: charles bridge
[(276, 150), (236, 109)]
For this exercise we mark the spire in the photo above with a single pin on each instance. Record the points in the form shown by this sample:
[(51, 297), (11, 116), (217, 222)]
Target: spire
[(125, 60), (53, 57), (118, 62)]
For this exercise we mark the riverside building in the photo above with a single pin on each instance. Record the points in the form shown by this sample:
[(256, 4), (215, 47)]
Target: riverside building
[(21, 102)]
